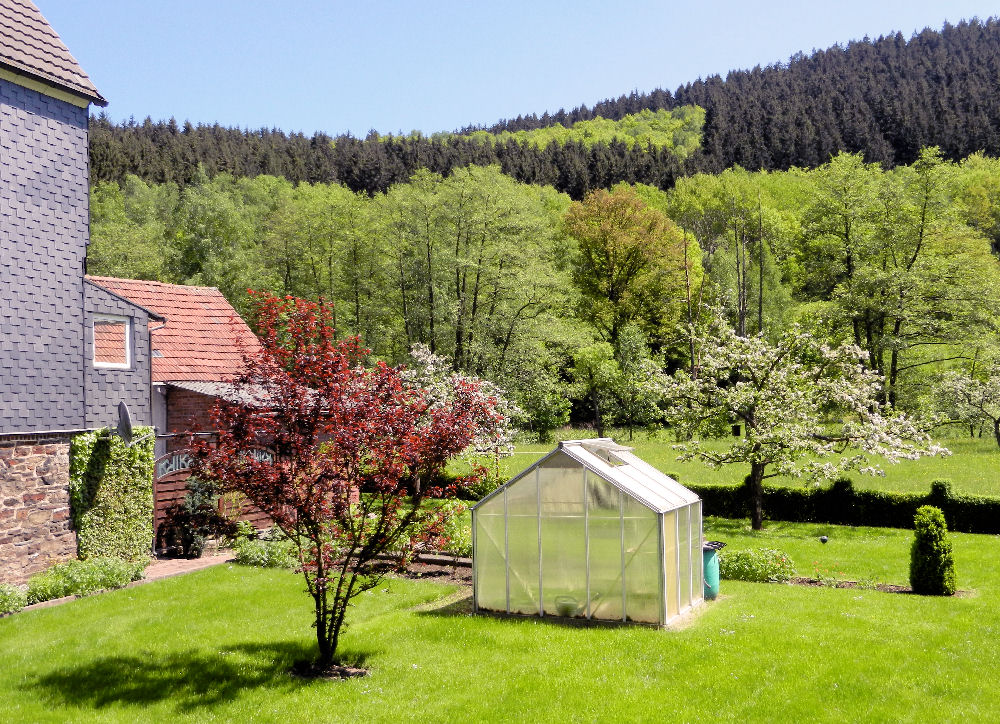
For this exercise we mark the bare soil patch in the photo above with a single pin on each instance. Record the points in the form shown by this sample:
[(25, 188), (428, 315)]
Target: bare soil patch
[(310, 670)]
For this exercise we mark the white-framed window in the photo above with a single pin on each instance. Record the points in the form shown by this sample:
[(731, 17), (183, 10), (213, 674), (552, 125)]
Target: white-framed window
[(112, 342)]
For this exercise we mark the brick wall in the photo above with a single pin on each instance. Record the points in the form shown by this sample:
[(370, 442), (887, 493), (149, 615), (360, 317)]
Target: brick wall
[(35, 525), (44, 213), (187, 410)]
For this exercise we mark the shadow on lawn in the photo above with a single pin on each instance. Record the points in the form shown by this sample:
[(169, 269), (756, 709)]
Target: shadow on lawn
[(460, 605), (193, 679)]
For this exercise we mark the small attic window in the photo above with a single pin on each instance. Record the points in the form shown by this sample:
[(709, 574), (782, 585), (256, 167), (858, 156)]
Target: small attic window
[(111, 342)]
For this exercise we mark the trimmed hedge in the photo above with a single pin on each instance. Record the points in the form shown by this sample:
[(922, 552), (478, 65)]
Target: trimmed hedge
[(111, 495), (842, 504)]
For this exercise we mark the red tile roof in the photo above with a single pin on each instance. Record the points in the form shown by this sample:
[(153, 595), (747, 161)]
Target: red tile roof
[(28, 44), (201, 338)]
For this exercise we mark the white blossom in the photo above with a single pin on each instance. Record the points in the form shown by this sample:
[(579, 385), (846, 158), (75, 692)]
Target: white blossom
[(807, 410)]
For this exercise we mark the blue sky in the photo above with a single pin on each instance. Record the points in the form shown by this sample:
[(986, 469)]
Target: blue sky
[(308, 65)]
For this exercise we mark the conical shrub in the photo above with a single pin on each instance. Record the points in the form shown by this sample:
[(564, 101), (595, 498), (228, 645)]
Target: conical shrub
[(932, 567)]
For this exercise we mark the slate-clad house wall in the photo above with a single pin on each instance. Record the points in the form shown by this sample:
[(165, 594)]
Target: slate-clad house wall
[(44, 217), (106, 387), (43, 242)]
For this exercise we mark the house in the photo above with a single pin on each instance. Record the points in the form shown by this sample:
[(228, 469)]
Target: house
[(197, 344), (70, 351), (73, 347)]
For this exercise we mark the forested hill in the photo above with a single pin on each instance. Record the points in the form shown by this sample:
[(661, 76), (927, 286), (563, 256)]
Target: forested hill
[(160, 152), (886, 98)]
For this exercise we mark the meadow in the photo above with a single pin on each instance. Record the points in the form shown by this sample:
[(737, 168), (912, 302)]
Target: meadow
[(217, 645), (973, 467)]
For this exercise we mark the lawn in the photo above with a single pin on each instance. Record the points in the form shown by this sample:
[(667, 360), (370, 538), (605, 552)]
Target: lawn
[(973, 468), (215, 646)]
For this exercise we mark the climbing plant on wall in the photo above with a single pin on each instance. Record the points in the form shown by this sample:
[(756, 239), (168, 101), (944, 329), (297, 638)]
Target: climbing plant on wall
[(111, 494)]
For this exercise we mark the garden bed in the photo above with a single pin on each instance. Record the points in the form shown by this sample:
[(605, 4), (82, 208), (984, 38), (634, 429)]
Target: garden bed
[(861, 585)]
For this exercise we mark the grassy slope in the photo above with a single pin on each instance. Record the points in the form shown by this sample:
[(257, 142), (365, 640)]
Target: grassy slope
[(214, 646), (974, 467)]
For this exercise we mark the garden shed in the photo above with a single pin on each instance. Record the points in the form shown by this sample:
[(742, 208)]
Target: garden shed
[(589, 531)]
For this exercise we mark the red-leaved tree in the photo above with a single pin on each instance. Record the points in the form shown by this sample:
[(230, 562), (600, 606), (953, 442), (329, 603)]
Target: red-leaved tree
[(335, 428)]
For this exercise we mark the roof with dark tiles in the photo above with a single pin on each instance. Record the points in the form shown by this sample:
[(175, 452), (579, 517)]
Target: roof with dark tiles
[(203, 338), (29, 45)]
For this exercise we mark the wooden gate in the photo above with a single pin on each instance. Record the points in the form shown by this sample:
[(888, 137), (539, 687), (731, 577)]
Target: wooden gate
[(170, 476)]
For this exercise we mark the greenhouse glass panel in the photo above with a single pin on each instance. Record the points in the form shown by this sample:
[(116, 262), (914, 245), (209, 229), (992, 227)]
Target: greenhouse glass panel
[(491, 569), (670, 561), (604, 525), (522, 544), (684, 546), (697, 535), (564, 563), (642, 561)]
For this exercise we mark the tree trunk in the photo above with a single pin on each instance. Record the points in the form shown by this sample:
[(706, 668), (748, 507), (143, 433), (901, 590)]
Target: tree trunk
[(996, 430), (325, 649), (598, 420), (755, 482)]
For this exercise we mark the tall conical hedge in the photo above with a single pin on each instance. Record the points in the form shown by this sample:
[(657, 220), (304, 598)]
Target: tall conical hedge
[(932, 567)]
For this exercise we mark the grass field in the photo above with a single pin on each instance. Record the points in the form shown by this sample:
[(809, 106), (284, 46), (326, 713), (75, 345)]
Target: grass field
[(973, 468), (216, 646)]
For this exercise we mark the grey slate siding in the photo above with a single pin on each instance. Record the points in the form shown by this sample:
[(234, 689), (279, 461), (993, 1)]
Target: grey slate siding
[(43, 237), (105, 388)]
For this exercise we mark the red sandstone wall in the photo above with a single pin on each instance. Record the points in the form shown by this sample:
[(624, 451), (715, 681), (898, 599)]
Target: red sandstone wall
[(35, 526)]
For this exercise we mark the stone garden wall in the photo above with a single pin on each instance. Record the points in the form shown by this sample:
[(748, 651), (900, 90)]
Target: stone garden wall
[(35, 526)]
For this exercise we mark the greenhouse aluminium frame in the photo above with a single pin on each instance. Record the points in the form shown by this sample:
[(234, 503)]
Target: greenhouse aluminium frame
[(589, 531)]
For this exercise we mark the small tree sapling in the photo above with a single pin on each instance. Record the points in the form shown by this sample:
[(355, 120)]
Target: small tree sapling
[(335, 427)]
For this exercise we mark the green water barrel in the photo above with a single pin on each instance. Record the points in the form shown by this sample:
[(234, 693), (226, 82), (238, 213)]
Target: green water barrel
[(710, 554)]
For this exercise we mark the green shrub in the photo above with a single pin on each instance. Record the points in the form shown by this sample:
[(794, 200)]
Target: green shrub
[(447, 530), (111, 494), (442, 527), (273, 552), (189, 524), (483, 486), (761, 565), (81, 578), (932, 567), (12, 599)]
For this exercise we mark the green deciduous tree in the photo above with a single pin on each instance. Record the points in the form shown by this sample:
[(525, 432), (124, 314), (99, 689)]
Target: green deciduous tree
[(971, 399), (905, 278), (630, 264), (128, 229)]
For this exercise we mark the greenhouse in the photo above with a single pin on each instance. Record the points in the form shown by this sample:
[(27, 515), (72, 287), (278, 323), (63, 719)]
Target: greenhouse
[(589, 531)]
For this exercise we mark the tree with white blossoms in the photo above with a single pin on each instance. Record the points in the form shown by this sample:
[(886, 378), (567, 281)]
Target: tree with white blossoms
[(434, 374), (972, 400), (807, 410)]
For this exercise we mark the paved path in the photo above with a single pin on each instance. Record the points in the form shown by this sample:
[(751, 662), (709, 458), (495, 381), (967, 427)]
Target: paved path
[(167, 567)]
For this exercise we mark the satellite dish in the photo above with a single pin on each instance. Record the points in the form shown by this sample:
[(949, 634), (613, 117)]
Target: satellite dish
[(124, 423)]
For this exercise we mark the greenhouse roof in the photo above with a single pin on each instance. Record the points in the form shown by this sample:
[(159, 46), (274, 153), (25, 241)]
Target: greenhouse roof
[(622, 468)]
